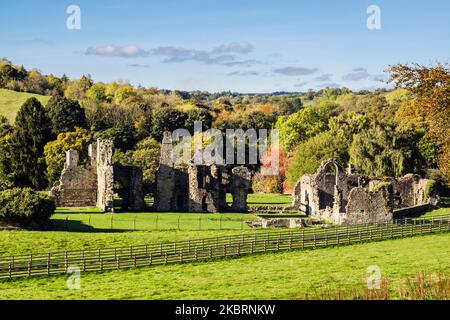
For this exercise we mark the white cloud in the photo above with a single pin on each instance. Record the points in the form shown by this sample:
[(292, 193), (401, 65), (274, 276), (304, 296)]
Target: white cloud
[(295, 71), (130, 51)]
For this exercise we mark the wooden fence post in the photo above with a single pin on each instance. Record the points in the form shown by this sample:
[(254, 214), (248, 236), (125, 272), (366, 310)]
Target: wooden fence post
[(303, 239), (84, 261), (30, 265), (315, 241), (65, 261), (48, 264), (348, 236)]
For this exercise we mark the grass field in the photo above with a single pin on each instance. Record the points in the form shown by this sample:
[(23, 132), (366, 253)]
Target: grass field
[(287, 275), (11, 101)]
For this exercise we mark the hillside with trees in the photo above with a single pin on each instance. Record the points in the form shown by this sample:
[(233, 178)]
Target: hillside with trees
[(382, 132)]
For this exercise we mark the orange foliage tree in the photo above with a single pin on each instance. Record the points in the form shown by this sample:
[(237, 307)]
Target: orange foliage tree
[(430, 106)]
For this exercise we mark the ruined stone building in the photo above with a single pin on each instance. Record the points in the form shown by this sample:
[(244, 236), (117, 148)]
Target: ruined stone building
[(198, 188), (349, 198), (96, 183)]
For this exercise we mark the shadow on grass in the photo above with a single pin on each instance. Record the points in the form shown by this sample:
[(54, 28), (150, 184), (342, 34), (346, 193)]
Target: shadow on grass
[(79, 226)]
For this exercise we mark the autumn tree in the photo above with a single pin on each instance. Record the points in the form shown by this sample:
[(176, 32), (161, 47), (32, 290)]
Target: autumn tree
[(430, 106)]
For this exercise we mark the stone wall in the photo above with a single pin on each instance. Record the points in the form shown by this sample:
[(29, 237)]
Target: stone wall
[(240, 185), (346, 198), (93, 185), (368, 207), (197, 188), (105, 175), (77, 186)]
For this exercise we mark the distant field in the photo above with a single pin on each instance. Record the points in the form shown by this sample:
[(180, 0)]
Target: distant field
[(11, 101)]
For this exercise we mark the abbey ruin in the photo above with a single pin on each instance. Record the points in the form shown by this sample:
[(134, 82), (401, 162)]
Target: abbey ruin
[(198, 188), (348, 197), (96, 183)]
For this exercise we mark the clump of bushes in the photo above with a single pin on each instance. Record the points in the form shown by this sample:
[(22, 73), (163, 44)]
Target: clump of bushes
[(25, 208)]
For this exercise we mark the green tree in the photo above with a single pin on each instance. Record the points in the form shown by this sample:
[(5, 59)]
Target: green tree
[(32, 131), (55, 151), (167, 119), (312, 152), (123, 137), (146, 156), (65, 114), (123, 93), (5, 127), (198, 114), (299, 127), (97, 92), (375, 153)]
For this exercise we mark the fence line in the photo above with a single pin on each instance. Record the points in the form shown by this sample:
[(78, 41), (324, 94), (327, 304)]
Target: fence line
[(216, 247)]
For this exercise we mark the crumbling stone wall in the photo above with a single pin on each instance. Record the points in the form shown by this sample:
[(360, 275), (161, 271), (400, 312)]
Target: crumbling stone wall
[(197, 188), (368, 207), (93, 185), (105, 175), (165, 177), (129, 186), (77, 186), (206, 191), (352, 198), (240, 185)]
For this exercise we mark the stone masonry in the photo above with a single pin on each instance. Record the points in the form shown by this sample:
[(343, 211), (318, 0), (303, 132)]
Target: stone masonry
[(93, 184), (198, 188), (347, 197)]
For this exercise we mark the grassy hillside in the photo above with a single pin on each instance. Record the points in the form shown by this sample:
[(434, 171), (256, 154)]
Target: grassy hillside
[(10, 102), (287, 275)]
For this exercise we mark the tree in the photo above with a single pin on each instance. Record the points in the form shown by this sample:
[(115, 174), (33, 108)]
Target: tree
[(123, 137), (55, 151), (167, 119), (430, 106), (32, 131), (5, 127), (198, 114), (146, 156), (312, 152), (97, 92), (379, 152), (258, 120), (65, 114), (76, 90), (299, 127), (123, 93), (6, 176)]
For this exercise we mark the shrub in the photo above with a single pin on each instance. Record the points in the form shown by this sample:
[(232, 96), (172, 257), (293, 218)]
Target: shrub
[(25, 208)]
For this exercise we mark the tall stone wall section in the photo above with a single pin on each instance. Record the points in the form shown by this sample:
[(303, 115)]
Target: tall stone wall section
[(77, 186), (93, 184)]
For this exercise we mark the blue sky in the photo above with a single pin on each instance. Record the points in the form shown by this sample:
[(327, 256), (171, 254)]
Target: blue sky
[(245, 46)]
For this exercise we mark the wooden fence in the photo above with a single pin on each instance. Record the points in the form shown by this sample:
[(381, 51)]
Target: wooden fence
[(217, 247)]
